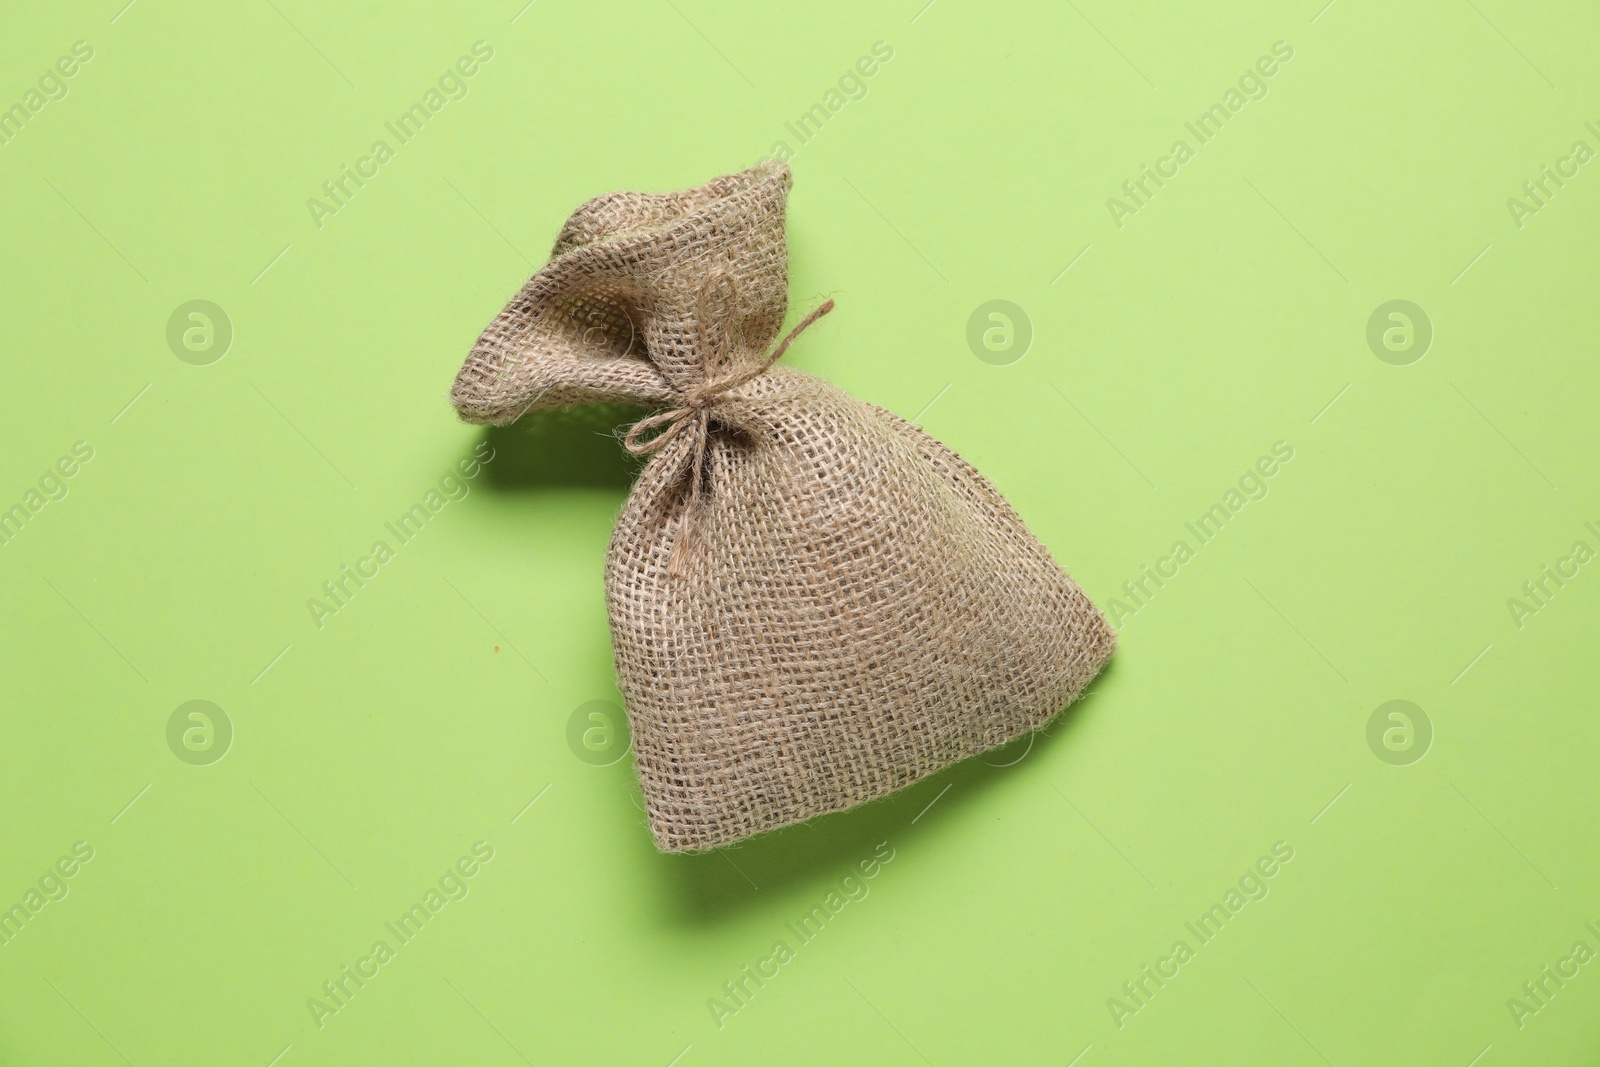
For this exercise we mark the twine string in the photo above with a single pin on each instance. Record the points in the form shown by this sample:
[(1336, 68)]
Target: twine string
[(694, 415)]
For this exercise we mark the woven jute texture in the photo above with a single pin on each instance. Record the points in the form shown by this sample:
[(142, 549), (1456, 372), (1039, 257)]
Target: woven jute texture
[(813, 603)]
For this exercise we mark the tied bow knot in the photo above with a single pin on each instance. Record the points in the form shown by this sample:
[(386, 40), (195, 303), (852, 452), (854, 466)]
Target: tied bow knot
[(694, 416)]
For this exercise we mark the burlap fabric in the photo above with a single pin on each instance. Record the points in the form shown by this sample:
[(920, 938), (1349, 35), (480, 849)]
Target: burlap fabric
[(813, 603)]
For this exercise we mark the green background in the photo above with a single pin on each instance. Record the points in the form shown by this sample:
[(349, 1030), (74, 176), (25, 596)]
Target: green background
[(1229, 313)]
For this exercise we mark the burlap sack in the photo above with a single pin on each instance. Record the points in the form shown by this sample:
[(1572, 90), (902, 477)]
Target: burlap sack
[(813, 603)]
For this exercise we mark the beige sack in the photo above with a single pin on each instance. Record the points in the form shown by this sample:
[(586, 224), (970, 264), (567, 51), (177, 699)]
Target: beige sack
[(813, 603)]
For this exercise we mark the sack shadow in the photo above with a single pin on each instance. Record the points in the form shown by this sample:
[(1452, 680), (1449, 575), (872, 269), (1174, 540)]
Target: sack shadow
[(713, 887), (577, 447)]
